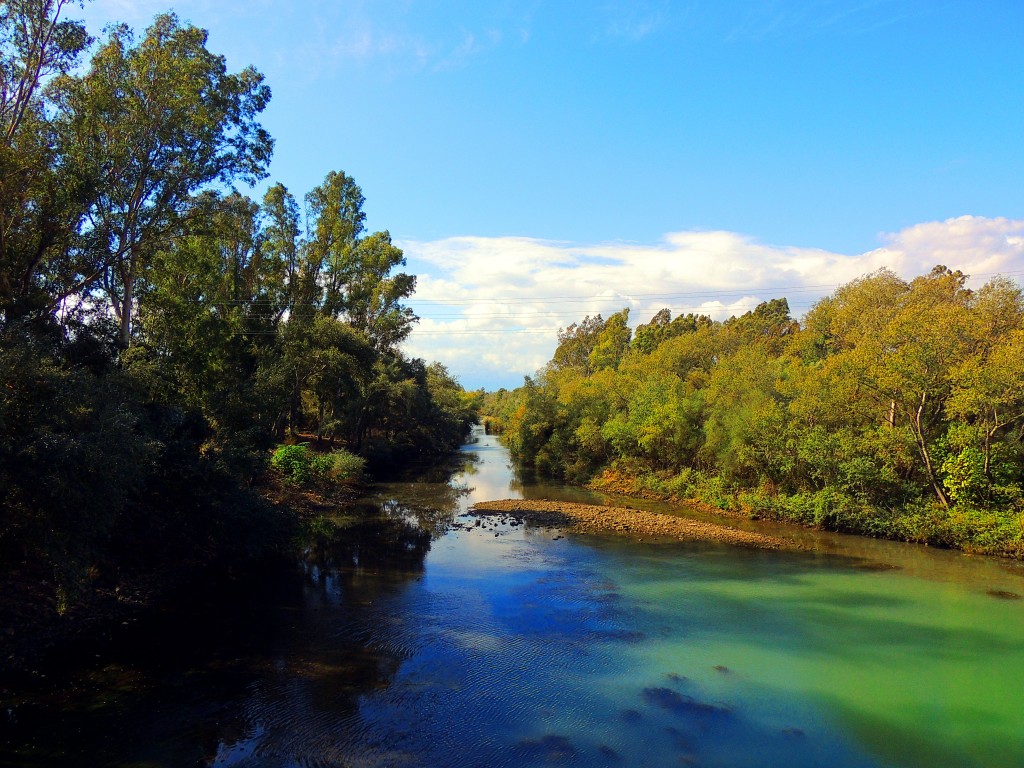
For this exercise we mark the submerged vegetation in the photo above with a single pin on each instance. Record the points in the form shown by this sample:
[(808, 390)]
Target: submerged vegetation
[(894, 409), (160, 332)]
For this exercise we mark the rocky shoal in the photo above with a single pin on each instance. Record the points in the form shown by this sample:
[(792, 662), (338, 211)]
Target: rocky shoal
[(590, 518)]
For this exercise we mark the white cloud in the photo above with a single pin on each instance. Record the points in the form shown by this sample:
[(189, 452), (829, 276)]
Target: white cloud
[(633, 21), (802, 20), (491, 307), (318, 39)]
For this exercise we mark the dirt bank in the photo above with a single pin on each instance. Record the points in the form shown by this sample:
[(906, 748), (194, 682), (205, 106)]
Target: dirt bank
[(588, 518)]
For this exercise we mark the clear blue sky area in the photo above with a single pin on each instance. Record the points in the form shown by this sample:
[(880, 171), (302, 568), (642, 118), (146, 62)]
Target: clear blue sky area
[(839, 126), (806, 122)]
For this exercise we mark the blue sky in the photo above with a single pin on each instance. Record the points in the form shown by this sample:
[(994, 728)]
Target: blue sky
[(542, 159)]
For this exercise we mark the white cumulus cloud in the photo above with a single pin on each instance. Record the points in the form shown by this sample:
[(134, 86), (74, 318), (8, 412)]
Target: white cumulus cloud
[(491, 307)]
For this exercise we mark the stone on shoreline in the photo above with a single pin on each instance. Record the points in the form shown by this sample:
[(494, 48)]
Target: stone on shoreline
[(591, 518)]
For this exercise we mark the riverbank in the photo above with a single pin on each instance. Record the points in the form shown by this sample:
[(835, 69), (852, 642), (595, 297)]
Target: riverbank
[(964, 528), (590, 518), (37, 629)]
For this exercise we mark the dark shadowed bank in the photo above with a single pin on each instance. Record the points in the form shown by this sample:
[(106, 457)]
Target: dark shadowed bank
[(161, 333)]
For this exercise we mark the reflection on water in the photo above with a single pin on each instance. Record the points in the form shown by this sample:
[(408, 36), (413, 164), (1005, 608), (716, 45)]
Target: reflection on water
[(420, 638)]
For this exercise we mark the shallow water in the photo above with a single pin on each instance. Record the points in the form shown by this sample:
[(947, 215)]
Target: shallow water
[(419, 643)]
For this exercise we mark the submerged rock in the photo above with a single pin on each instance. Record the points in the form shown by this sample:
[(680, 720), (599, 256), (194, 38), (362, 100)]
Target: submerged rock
[(687, 706), (1002, 594), (551, 748), (608, 752)]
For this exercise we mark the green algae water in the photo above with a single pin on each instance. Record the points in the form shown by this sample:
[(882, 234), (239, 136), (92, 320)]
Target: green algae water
[(427, 638)]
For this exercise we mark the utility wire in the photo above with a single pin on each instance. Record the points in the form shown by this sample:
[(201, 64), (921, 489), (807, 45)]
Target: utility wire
[(711, 293)]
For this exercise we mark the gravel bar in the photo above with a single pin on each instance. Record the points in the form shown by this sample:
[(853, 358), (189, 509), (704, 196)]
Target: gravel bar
[(590, 518)]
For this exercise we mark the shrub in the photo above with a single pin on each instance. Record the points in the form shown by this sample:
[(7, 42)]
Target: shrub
[(714, 492), (300, 465), (345, 465), (832, 509), (295, 462), (681, 484)]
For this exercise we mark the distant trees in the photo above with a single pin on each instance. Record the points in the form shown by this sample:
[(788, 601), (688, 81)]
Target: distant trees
[(896, 408)]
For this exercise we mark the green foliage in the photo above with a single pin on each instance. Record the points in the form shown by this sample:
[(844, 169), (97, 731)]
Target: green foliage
[(300, 465), (295, 462), (896, 409), (576, 343), (345, 466), (129, 448), (611, 343), (151, 124)]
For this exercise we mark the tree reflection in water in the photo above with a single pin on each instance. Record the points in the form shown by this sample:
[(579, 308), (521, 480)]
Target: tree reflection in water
[(272, 665)]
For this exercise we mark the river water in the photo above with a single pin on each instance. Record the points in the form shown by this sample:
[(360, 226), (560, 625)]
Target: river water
[(423, 639)]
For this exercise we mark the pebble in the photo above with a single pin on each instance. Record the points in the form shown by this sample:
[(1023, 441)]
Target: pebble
[(589, 518)]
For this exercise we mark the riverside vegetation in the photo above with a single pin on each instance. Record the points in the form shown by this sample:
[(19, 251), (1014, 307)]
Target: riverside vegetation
[(160, 333), (894, 409)]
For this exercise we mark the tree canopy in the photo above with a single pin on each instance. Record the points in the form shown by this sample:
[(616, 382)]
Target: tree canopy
[(161, 331), (894, 408)]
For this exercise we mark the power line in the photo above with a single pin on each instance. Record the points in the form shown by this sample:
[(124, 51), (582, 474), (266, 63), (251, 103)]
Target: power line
[(711, 293)]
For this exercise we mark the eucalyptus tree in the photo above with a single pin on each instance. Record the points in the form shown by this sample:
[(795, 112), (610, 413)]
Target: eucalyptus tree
[(611, 343), (280, 219), (335, 221), (152, 123), (987, 402), (575, 344), (374, 293), (40, 204)]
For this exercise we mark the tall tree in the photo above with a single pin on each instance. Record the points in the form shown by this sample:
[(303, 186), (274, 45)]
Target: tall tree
[(335, 222), (575, 344), (374, 295), (152, 124), (611, 343), (280, 216), (40, 204)]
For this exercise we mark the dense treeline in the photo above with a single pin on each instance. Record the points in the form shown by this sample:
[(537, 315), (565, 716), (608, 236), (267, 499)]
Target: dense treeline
[(893, 409), (159, 331)]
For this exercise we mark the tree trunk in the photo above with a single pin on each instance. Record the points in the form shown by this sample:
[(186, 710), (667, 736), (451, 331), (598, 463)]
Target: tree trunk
[(126, 314), (922, 446), (293, 406)]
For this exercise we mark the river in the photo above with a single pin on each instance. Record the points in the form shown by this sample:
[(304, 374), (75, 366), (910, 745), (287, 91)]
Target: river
[(422, 638)]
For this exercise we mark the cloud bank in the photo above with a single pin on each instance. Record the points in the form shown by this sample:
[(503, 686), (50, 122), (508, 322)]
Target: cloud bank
[(491, 307)]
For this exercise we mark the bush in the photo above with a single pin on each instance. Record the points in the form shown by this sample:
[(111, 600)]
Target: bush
[(295, 462), (714, 492), (345, 466), (301, 466), (833, 510)]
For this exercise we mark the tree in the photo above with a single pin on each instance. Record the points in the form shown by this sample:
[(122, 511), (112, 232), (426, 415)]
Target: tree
[(35, 43), (208, 315), (335, 222), (374, 295), (987, 393), (152, 124), (902, 343), (611, 343), (649, 335), (575, 344), (280, 249), (40, 202)]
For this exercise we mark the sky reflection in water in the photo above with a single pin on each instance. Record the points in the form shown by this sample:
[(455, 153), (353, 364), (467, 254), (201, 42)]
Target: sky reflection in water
[(501, 645)]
